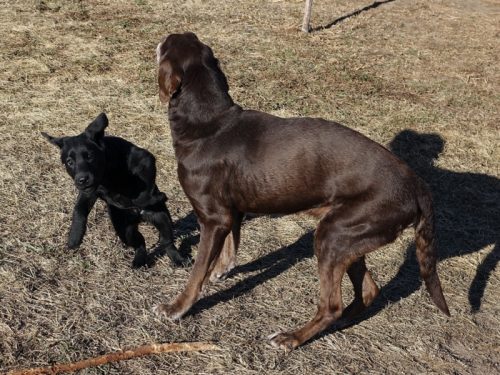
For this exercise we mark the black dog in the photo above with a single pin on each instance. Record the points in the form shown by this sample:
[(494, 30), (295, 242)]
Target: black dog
[(123, 175)]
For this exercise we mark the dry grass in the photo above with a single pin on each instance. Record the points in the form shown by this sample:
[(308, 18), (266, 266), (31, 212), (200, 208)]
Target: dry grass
[(431, 67)]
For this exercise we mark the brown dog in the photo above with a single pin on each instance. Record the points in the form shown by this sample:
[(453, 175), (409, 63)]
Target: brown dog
[(232, 161)]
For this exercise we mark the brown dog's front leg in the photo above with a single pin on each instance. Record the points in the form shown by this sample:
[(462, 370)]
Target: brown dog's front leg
[(211, 241)]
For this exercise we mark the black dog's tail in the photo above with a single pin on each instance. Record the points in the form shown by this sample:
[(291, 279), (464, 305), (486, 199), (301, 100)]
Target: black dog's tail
[(426, 251)]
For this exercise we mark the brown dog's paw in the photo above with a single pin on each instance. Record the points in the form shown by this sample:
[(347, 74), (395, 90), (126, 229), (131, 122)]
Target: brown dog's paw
[(286, 341), (218, 277), (168, 311), (221, 272)]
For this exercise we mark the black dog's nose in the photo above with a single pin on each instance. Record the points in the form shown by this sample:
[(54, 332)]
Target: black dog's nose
[(82, 180)]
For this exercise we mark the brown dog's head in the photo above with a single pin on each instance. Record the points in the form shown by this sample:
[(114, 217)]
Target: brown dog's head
[(182, 56)]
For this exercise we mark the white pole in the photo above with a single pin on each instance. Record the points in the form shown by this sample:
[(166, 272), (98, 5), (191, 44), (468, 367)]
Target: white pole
[(307, 16)]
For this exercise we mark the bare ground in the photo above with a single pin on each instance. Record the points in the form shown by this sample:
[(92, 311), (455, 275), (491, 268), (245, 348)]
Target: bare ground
[(420, 77)]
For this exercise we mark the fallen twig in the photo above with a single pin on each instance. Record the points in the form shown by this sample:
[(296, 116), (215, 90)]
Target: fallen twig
[(118, 356)]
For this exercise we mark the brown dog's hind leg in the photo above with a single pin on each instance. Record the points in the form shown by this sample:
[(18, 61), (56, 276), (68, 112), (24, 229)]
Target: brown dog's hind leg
[(227, 259), (332, 264), (329, 309), (342, 237)]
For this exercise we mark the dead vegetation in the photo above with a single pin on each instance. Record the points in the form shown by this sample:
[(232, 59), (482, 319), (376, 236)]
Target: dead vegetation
[(424, 67)]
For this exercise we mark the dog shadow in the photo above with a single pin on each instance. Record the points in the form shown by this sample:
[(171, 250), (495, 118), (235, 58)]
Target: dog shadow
[(466, 208), (269, 266), (336, 21), (467, 218)]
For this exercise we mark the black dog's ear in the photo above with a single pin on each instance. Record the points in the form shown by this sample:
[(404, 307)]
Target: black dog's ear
[(59, 142), (95, 131)]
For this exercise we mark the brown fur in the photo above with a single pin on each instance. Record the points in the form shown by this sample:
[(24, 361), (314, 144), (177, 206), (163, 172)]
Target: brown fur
[(232, 161)]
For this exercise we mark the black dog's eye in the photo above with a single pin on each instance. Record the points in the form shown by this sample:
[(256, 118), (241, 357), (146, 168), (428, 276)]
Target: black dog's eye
[(69, 162), (89, 156)]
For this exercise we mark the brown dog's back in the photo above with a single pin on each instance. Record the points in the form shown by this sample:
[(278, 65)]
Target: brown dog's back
[(278, 165)]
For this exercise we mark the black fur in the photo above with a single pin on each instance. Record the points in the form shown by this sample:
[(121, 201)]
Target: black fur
[(123, 175)]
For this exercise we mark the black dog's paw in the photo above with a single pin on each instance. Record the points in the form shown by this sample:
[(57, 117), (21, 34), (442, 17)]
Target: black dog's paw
[(147, 215), (73, 243), (179, 260), (102, 192), (182, 262), (140, 260), (160, 197)]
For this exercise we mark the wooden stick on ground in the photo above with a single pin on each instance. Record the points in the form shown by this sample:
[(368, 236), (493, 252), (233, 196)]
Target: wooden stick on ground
[(118, 356), (307, 16)]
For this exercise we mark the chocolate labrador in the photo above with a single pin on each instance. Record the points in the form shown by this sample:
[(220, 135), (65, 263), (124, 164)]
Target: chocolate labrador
[(232, 161)]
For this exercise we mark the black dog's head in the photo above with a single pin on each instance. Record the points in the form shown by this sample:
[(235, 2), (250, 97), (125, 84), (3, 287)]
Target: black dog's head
[(83, 155)]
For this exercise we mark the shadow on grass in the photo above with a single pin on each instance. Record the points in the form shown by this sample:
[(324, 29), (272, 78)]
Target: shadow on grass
[(467, 211), (269, 266), (336, 21)]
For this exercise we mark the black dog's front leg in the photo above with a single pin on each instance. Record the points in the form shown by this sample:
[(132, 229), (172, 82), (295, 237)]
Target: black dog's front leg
[(84, 204), (160, 218)]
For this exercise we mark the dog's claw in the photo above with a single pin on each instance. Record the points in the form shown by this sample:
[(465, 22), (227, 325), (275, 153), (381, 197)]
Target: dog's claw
[(285, 341), (272, 336), (158, 310), (167, 311), (218, 278), (220, 275)]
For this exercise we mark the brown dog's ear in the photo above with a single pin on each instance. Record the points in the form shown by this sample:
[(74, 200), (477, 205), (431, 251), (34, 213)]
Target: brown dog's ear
[(59, 142), (169, 80)]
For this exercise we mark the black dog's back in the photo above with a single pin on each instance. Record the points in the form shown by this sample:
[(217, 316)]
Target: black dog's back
[(131, 172)]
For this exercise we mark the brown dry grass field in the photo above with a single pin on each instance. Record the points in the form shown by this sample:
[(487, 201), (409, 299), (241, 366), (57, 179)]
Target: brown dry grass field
[(422, 78)]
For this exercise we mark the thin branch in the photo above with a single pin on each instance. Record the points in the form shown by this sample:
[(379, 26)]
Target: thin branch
[(118, 356)]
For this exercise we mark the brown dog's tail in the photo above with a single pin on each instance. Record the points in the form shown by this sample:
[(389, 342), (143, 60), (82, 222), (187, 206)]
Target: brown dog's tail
[(426, 251)]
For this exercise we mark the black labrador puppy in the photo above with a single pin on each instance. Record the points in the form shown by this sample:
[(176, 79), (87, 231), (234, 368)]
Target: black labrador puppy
[(123, 175)]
